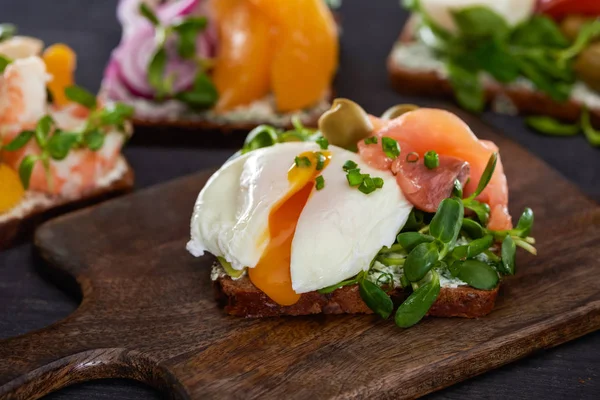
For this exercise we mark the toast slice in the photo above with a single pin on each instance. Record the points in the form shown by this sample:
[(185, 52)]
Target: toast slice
[(430, 79), (36, 208), (241, 298), (209, 130)]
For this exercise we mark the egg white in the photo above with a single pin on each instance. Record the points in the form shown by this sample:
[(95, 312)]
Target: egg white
[(339, 231), (440, 11), (231, 214)]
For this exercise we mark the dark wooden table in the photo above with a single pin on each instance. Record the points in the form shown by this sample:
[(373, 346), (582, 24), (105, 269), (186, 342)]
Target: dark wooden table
[(29, 301)]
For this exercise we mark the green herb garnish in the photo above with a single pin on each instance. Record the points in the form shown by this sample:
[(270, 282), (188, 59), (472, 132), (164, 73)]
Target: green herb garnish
[(371, 140), (319, 182), (348, 165), (320, 161), (432, 160), (390, 147), (302, 162), (323, 143), (56, 144)]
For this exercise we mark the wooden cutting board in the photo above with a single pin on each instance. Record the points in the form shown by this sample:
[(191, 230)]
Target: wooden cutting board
[(148, 312)]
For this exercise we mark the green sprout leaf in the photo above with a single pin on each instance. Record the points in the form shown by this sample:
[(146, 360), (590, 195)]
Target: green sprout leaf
[(486, 176), (415, 307), (156, 71), (324, 144), (420, 261), (81, 96), (410, 240), (445, 225), (94, 140), (467, 87), (60, 144), (375, 298), (478, 246), (552, 127), (592, 135), (202, 95), (4, 62), (26, 169), (7, 31), (472, 229), (188, 31), (508, 253), (478, 274), (43, 129), (148, 13), (479, 21), (482, 210), (20, 141), (259, 137), (115, 114), (229, 270), (525, 223)]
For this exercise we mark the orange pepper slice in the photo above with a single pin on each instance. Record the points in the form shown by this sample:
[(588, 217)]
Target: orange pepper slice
[(60, 62), (10, 187)]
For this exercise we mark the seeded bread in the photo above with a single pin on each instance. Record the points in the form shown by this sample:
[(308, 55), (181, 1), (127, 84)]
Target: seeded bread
[(241, 298), (15, 229), (523, 100)]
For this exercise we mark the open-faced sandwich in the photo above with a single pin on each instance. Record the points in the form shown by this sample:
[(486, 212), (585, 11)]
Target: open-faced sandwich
[(535, 57), (364, 214), (224, 64), (59, 147)]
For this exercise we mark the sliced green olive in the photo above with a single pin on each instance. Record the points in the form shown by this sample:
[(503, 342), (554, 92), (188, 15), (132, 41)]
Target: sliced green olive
[(572, 24), (587, 66), (345, 124), (398, 110)]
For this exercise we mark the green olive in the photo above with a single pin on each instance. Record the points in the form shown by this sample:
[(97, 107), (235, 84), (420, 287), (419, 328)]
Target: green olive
[(571, 26), (398, 110), (587, 66), (345, 124)]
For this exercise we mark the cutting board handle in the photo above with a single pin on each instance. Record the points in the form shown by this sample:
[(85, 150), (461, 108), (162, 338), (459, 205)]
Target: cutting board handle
[(60, 355)]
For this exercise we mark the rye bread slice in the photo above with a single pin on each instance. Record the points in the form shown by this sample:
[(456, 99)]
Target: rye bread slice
[(18, 229), (526, 101), (241, 298)]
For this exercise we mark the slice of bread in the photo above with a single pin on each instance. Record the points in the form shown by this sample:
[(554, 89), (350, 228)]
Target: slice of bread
[(407, 78), (229, 130), (16, 227), (241, 298)]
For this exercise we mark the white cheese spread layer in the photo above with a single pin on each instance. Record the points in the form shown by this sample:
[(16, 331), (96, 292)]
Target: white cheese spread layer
[(33, 200), (417, 56), (257, 112)]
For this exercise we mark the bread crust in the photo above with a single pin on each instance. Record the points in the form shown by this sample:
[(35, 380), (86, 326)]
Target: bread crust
[(15, 230), (241, 298), (526, 101)]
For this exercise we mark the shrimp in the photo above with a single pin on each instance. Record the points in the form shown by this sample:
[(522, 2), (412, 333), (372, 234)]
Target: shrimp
[(432, 129), (23, 101)]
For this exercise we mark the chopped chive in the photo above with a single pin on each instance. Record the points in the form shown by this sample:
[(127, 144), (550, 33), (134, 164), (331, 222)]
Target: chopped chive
[(320, 182), (323, 143), (371, 140), (432, 160), (378, 182), (320, 161), (390, 147), (354, 177), (348, 165), (412, 157), (302, 162), (367, 186)]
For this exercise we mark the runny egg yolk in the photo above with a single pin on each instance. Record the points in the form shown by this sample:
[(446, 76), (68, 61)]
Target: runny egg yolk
[(272, 273)]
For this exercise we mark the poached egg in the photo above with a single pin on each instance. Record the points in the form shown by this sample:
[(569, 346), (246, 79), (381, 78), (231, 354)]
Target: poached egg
[(262, 211)]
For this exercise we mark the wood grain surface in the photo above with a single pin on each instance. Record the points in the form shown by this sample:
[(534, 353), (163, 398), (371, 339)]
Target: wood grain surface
[(148, 314)]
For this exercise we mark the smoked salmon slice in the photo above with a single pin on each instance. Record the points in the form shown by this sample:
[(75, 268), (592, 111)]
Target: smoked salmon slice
[(427, 129)]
